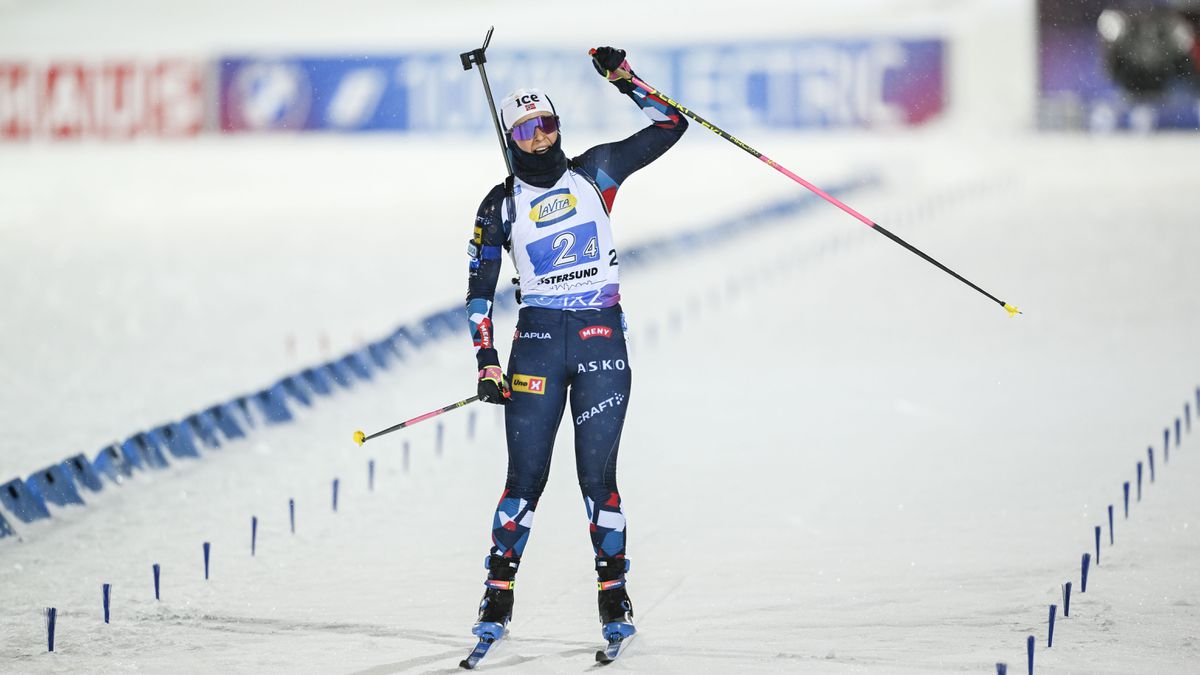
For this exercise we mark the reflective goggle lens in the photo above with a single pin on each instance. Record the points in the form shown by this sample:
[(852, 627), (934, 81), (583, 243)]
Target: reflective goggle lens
[(525, 130)]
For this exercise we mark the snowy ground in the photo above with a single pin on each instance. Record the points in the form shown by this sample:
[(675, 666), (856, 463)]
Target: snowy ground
[(838, 461)]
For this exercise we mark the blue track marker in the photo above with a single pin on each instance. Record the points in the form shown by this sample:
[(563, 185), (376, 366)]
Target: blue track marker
[(1139, 481), (1067, 599), (253, 535), (1001, 669), (1111, 540), (1150, 461), (1029, 643), (1125, 490), (1087, 562), (51, 620), (1050, 637), (157, 572), (371, 475), (1097, 545), (1166, 446), (1177, 434), (207, 550), (335, 494), (106, 594), (292, 515), (1187, 411)]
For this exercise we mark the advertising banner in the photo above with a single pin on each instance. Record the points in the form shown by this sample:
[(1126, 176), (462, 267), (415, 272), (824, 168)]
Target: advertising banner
[(74, 99), (870, 83), (1106, 65)]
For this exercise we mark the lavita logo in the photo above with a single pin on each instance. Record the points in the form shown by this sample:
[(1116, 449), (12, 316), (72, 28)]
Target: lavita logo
[(553, 207)]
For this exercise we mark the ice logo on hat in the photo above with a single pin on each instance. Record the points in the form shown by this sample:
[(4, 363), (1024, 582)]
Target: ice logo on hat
[(524, 102)]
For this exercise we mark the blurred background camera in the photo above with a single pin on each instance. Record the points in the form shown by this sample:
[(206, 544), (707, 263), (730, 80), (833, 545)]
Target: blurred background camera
[(1147, 48)]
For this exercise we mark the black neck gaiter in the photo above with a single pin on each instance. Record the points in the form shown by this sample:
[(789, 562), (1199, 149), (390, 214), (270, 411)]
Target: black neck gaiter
[(542, 170)]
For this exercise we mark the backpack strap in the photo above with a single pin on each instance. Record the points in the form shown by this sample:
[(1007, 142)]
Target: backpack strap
[(573, 165)]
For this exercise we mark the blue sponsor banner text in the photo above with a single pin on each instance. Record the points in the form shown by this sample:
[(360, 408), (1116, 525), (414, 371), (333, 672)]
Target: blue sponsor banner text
[(811, 83)]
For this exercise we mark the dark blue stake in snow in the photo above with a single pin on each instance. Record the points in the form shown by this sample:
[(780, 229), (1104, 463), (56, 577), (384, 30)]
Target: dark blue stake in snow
[(335, 494), (1097, 545), (292, 515), (1139, 481), (1029, 642), (1001, 669), (1166, 446), (51, 619), (1125, 489), (157, 573), (106, 593), (1067, 599), (1150, 462), (207, 550), (371, 475), (1050, 637), (1087, 562), (1111, 541), (1177, 434), (253, 535)]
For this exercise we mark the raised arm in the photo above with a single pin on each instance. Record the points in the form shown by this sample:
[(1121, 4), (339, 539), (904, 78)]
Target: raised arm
[(611, 163)]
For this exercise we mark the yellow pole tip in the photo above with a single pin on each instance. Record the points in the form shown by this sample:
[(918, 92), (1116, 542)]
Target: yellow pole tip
[(1012, 311), (359, 437)]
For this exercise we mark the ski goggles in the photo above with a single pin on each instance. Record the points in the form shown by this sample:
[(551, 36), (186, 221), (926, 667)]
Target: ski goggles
[(525, 130)]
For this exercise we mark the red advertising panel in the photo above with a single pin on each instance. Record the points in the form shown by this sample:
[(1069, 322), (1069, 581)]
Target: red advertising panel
[(126, 98)]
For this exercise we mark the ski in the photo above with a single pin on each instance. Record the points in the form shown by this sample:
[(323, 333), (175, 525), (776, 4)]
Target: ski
[(481, 650), (617, 642)]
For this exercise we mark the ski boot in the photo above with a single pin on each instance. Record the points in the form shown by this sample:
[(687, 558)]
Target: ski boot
[(495, 610), (616, 610)]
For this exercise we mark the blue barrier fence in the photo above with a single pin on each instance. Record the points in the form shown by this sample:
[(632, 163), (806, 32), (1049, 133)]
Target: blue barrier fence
[(65, 484)]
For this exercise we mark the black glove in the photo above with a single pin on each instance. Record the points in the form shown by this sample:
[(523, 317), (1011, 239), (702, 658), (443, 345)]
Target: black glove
[(607, 61), (493, 387)]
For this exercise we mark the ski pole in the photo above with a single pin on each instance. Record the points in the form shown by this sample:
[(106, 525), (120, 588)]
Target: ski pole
[(360, 437), (1012, 310)]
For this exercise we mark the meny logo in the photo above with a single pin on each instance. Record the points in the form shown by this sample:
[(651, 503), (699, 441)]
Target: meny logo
[(595, 331)]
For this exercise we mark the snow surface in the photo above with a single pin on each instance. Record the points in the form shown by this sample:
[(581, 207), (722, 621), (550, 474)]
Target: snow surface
[(837, 459)]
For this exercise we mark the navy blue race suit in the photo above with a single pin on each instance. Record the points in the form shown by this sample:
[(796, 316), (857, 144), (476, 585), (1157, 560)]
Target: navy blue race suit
[(569, 342)]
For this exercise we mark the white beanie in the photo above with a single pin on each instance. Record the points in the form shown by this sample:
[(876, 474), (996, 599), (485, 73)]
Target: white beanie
[(523, 102)]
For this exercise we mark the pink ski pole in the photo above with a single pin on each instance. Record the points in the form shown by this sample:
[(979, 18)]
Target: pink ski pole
[(360, 437), (1011, 309)]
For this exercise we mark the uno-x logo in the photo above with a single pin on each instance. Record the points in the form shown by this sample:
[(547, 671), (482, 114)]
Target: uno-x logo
[(530, 384), (607, 364), (595, 331), (614, 401)]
